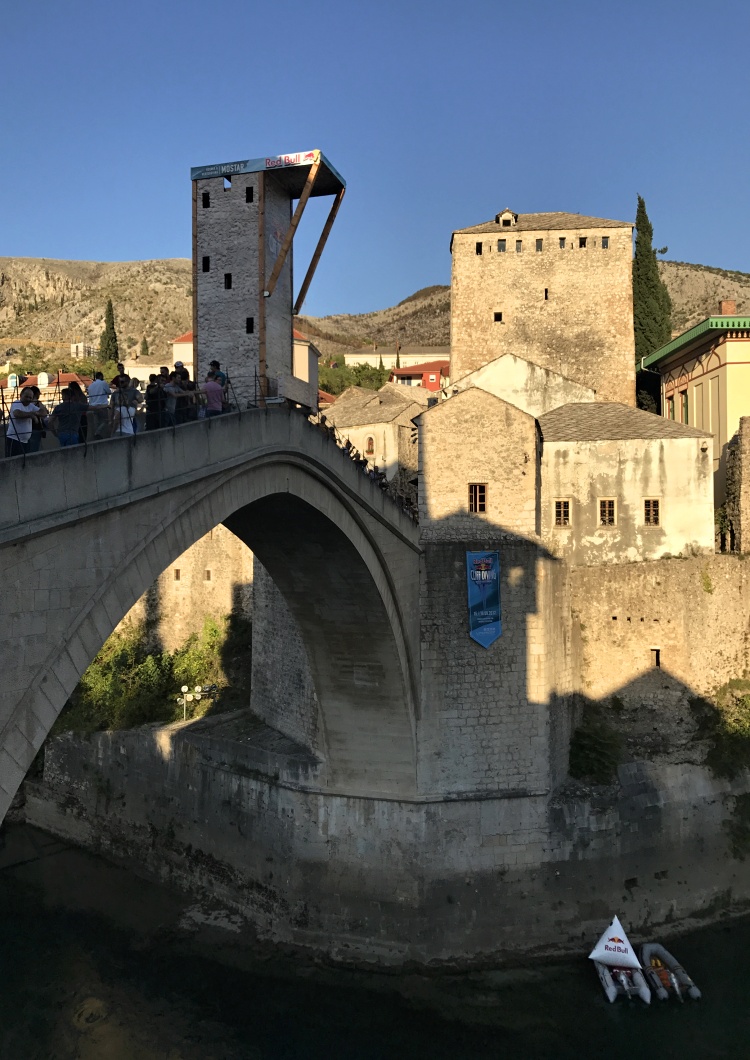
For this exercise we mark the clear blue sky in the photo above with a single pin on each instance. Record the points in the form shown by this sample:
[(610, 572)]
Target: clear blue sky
[(437, 114)]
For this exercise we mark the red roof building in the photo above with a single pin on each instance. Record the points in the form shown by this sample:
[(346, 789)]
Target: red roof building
[(432, 375)]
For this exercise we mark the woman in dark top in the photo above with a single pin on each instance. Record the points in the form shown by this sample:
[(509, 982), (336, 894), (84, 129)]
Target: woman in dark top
[(155, 403)]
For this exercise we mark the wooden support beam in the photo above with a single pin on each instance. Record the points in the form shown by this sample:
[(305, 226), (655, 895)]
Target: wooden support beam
[(318, 251), (279, 263)]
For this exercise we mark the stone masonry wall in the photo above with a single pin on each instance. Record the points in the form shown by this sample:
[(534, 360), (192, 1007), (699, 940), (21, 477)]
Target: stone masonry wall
[(498, 447), (583, 329), (283, 693), (491, 718), (210, 579), (227, 234), (738, 488), (694, 612)]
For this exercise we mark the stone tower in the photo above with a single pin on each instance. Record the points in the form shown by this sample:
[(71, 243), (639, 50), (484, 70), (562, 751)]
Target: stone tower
[(243, 229), (553, 288)]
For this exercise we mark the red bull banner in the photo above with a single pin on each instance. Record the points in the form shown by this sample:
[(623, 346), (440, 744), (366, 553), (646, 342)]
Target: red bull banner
[(483, 589), (256, 165)]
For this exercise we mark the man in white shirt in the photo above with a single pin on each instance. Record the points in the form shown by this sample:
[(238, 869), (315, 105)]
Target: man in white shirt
[(20, 421), (98, 414)]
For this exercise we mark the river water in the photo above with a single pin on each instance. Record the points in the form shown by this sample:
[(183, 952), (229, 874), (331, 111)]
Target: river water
[(97, 963)]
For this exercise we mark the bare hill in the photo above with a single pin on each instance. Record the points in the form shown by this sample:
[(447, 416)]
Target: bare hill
[(697, 289), (53, 303)]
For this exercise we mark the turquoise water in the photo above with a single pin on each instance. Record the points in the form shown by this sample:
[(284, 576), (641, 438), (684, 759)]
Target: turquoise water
[(97, 963)]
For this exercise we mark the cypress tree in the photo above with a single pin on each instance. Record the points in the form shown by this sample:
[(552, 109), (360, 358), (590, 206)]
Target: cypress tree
[(144, 347), (652, 306), (108, 347)]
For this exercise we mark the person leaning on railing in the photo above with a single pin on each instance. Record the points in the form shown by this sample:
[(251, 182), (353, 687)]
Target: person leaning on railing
[(20, 421)]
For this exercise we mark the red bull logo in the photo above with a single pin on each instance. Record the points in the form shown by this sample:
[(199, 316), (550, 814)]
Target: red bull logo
[(616, 938), (300, 159)]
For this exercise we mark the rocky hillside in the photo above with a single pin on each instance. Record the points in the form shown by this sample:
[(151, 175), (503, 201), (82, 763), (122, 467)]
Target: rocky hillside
[(52, 303), (697, 289)]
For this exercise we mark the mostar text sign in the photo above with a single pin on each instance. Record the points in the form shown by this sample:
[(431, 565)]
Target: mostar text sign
[(262, 165)]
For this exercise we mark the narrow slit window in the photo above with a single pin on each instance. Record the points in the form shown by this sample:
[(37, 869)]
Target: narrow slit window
[(562, 242), (207, 576), (607, 512), (249, 325), (478, 248), (670, 407), (651, 512), (684, 405), (605, 242), (248, 194), (562, 513), (519, 246), (539, 246), (501, 246), (206, 199), (227, 183), (177, 574), (477, 497), (227, 281), (206, 264), (546, 294), (656, 658), (497, 317), (582, 242)]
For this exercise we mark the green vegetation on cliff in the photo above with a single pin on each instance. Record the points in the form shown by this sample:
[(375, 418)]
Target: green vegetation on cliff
[(131, 682)]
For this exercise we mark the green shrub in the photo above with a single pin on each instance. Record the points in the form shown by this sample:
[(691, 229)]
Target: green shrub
[(129, 684)]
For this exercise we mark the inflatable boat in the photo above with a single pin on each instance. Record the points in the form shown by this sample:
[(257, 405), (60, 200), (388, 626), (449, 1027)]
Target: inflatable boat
[(625, 982), (617, 966), (665, 975)]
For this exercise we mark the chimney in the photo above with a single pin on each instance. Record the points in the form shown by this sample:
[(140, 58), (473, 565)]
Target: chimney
[(727, 308)]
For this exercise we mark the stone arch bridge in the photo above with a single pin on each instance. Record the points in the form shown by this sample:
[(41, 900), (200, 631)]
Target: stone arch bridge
[(84, 532)]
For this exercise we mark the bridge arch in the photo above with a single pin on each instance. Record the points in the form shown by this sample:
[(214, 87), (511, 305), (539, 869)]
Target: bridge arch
[(297, 502)]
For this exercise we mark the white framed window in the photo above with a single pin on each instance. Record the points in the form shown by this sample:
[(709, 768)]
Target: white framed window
[(477, 496), (652, 511), (607, 511), (562, 512)]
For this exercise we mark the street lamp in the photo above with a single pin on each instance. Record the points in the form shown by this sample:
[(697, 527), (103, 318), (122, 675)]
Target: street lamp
[(196, 695)]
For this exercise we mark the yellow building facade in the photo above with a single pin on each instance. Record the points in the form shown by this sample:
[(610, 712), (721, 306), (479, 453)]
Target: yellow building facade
[(705, 381)]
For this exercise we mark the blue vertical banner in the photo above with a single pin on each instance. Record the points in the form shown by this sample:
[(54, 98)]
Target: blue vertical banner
[(483, 590)]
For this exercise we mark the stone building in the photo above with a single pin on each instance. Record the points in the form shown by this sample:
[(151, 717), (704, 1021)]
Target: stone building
[(210, 580), (552, 288), (378, 423), (243, 229), (705, 381)]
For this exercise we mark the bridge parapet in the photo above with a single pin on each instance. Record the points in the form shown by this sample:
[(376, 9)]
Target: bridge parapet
[(48, 488)]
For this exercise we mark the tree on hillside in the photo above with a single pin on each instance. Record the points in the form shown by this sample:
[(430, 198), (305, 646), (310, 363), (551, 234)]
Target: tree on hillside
[(144, 347), (652, 306), (108, 347)]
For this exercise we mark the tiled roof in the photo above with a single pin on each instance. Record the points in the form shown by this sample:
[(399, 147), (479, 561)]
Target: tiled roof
[(298, 335), (358, 406), (187, 337), (598, 421), (324, 398), (63, 378), (419, 369), (544, 222)]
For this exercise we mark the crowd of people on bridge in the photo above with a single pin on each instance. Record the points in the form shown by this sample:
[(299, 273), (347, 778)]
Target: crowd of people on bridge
[(113, 409)]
